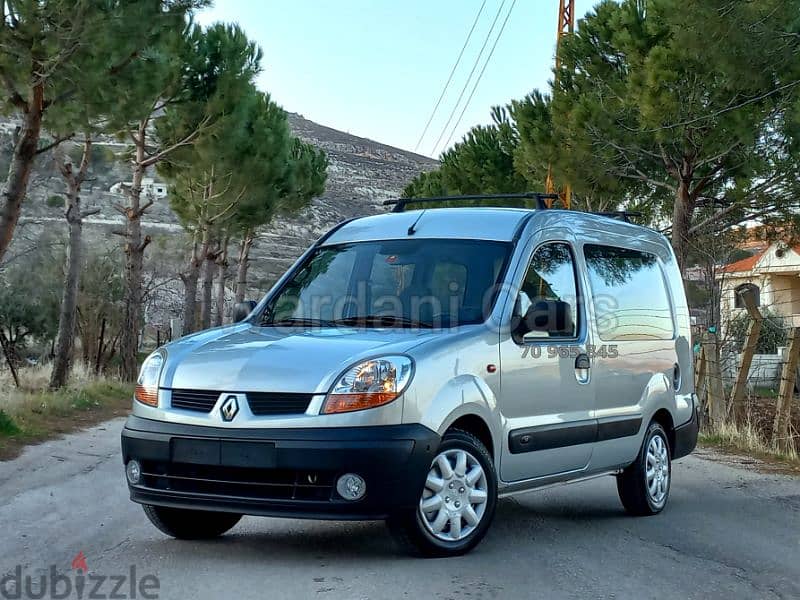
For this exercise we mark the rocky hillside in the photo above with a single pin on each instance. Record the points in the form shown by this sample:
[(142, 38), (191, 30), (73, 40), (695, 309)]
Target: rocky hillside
[(361, 175)]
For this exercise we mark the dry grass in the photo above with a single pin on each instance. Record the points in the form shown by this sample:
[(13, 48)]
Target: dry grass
[(33, 413), (749, 440)]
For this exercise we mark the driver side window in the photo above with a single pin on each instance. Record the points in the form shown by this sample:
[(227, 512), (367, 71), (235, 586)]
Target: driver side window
[(550, 286)]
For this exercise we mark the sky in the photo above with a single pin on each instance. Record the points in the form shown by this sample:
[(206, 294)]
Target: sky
[(375, 68)]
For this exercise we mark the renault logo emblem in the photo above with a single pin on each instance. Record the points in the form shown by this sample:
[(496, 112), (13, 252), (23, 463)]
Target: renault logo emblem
[(229, 408)]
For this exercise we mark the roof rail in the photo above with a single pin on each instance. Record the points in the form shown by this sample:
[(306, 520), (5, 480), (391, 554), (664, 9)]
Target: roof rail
[(401, 203), (622, 215)]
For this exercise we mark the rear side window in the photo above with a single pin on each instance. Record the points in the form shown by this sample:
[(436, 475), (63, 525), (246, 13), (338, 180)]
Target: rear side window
[(629, 294)]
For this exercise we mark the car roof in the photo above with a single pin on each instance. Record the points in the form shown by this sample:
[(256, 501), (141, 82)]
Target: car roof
[(479, 223)]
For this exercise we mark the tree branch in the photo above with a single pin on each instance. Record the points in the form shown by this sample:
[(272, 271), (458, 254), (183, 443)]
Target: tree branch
[(54, 143)]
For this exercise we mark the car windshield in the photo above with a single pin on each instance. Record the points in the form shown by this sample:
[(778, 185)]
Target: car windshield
[(396, 283)]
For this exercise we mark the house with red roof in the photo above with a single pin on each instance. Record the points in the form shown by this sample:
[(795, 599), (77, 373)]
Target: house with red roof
[(773, 274)]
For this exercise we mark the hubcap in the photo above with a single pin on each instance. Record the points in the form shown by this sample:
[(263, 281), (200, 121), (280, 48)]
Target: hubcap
[(657, 470), (454, 499)]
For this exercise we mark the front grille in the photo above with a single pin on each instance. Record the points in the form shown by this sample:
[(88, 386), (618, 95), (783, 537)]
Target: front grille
[(197, 400), (261, 403), (239, 482), (276, 403)]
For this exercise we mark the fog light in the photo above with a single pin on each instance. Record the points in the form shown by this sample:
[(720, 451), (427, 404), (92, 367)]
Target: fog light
[(134, 471), (351, 486)]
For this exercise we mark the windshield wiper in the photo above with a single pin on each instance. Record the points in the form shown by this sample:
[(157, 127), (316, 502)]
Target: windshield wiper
[(297, 322), (382, 321)]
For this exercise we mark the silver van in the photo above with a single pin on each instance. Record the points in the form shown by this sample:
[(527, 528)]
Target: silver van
[(416, 366)]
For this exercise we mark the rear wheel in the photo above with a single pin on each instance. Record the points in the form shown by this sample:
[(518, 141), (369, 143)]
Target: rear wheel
[(186, 524), (644, 486), (457, 503)]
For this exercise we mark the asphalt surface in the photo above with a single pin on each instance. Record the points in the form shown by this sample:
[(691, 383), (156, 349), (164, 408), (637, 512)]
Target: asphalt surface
[(727, 532)]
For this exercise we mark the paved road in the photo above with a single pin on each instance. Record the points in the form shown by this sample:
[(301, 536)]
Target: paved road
[(727, 533)]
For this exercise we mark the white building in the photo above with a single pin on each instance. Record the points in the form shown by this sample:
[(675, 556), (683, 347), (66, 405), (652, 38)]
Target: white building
[(150, 188)]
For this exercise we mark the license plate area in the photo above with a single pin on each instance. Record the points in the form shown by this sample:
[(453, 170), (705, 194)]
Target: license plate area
[(225, 453)]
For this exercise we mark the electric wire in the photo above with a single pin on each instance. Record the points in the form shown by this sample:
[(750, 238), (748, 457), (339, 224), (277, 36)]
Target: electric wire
[(469, 78), (480, 75), (450, 77)]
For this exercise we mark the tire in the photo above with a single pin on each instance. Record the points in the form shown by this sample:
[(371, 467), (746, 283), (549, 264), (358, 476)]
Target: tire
[(185, 524), (468, 497), (635, 490)]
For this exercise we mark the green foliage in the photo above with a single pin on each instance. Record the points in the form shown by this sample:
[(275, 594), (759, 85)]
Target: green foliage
[(698, 296), (245, 166), (55, 201), (83, 53), (677, 104), (685, 111), (8, 427), (481, 163), (30, 294), (771, 336)]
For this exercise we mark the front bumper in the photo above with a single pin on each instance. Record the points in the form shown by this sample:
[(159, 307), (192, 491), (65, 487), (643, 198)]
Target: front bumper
[(278, 472)]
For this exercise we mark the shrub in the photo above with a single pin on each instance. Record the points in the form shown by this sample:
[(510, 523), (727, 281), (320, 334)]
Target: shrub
[(772, 335)]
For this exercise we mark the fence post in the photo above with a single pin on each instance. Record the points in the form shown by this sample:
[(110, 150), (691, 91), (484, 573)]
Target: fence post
[(714, 388), (783, 407), (700, 387), (736, 405)]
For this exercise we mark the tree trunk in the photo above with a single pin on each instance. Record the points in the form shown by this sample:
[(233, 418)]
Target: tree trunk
[(681, 222), (65, 339), (9, 359), (222, 265), (244, 263), (134, 246), (19, 170), (209, 262), (100, 342)]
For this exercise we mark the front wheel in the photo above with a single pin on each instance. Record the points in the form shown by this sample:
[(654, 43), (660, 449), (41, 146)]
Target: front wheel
[(644, 486), (457, 503), (185, 524)]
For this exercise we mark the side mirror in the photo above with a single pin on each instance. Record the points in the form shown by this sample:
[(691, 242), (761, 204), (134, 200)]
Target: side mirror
[(543, 316), (242, 309)]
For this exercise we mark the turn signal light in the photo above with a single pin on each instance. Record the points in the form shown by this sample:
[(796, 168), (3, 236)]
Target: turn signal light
[(348, 402), (146, 395)]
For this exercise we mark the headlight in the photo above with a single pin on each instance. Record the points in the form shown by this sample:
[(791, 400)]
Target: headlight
[(369, 384), (147, 384)]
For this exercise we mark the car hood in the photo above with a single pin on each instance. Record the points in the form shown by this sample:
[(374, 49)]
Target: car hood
[(242, 358)]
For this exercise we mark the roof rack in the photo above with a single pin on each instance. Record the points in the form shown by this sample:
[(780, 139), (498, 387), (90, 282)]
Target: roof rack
[(400, 203), (622, 215)]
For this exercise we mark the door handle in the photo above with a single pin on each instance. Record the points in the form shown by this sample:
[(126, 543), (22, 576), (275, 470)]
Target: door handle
[(582, 366), (582, 361)]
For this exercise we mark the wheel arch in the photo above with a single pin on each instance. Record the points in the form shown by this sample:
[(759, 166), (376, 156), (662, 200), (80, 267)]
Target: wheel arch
[(664, 418), (474, 424)]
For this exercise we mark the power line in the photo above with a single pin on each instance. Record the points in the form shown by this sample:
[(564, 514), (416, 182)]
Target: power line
[(469, 78), (450, 77), (480, 75)]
